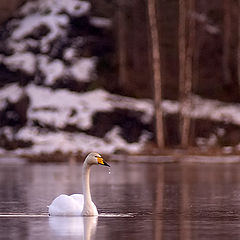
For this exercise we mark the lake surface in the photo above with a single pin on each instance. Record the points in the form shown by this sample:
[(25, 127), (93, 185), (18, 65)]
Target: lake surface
[(136, 201)]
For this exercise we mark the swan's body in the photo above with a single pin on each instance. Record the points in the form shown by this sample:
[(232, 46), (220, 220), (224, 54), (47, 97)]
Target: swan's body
[(67, 205), (78, 204)]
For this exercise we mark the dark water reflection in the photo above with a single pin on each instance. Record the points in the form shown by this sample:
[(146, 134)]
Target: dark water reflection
[(147, 201)]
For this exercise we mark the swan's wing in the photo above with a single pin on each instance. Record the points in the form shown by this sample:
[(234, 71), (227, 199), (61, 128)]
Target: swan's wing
[(79, 198), (65, 205)]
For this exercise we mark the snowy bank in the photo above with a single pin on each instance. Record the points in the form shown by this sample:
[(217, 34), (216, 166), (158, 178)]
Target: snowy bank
[(60, 120), (51, 111), (207, 109)]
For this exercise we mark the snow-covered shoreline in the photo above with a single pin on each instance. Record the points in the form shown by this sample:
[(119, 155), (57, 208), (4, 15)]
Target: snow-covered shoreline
[(55, 108)]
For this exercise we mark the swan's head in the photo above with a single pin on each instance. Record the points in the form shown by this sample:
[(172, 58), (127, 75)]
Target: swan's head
[(95, 158)]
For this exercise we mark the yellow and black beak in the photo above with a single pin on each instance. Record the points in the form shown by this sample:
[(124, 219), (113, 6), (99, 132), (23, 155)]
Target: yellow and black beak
[(101, 162)]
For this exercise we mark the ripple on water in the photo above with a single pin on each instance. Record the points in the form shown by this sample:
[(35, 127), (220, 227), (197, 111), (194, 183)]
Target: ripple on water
[(116, 215), (46, 215), (22, 215)]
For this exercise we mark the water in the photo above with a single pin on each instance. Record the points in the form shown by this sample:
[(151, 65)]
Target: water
[(136, 201)]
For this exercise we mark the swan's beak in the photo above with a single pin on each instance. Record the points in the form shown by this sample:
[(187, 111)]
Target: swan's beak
[(101, 162)]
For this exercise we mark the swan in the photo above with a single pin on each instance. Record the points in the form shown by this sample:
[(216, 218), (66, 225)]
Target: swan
[(78, 204)]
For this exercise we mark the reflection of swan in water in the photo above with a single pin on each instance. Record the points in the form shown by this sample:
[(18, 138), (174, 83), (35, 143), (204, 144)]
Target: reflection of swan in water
[(78, 204), (84, 227)]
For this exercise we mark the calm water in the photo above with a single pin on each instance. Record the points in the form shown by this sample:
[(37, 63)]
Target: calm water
[(136, 201)]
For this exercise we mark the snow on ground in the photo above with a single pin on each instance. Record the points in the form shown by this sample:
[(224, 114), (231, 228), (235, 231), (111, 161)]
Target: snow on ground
[(55, 24), (21, 61), (50, 13), (57, 106), (75, 7), (83, 68), (54, 107), (207, 109), (11, 93), (53, 70), (36, 32), (74, 142), (100, 22)]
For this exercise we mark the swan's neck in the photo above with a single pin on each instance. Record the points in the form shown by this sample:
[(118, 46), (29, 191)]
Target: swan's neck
[(86, 183), (89, 208)]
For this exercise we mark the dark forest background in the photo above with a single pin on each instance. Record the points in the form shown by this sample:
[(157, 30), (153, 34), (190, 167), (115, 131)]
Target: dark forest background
[(210, 54)]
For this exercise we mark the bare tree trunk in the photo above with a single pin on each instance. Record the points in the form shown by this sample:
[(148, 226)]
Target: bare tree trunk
[(182, 57), (122, 45), (156, 69), (226, 42), (238, 54), (186, 40), (136, 35)]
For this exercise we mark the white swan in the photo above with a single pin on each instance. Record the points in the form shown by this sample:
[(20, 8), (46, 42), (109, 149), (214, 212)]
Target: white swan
[(78, 204)]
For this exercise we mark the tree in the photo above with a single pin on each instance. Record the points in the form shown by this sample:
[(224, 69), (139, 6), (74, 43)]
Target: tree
[(182, 58), (186, 41), (122, 44), (156, 71), (238, 54), (226, 42)]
